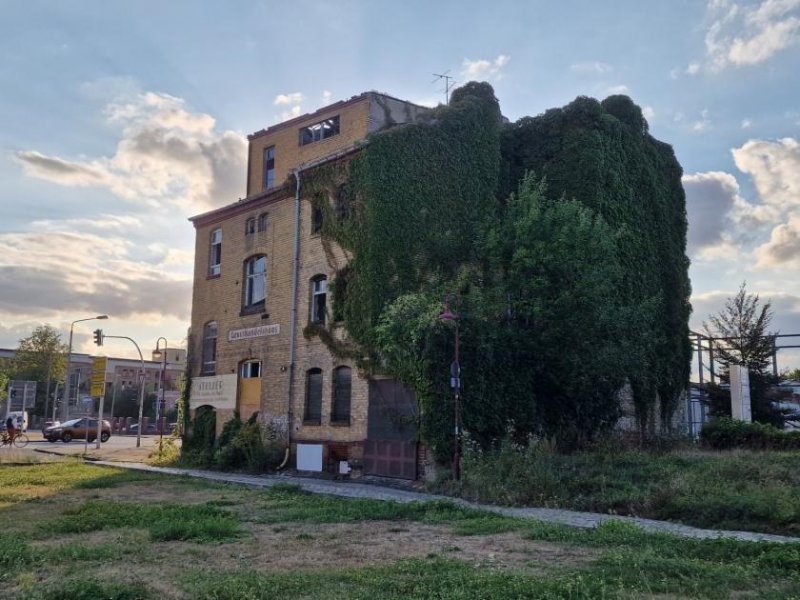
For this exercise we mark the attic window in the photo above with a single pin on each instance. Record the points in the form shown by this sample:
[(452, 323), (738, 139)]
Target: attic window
[(319, 131)]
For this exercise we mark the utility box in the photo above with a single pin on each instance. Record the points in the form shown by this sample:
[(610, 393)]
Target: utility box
[(740, 393), (309, 457)]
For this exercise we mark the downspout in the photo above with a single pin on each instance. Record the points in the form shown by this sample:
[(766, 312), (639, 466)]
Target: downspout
[(293, 325)]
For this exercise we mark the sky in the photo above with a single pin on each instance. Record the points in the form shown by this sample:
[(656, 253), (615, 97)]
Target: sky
[(122, 120)]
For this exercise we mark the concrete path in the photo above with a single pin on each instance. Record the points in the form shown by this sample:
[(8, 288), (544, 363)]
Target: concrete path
[(348, 489)]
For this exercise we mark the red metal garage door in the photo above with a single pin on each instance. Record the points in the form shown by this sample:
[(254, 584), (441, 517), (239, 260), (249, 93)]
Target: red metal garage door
[(390, 458)]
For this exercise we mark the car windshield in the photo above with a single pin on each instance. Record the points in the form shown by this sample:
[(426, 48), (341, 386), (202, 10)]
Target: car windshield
[(71, 422)]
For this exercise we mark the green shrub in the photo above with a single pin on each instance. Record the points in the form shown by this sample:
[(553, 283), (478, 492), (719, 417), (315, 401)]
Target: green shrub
[(242, 446), (724, 434)]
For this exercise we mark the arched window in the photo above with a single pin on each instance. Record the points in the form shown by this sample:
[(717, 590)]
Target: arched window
[(342, 391), (255, 281), (250, 226), (209, 366), (215, 253), (319, 292), (313, 411), (262, 222)]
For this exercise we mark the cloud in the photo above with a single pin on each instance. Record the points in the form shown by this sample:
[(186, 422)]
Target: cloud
[(167, 157), (618, 89), (88, 273), (592, 67), (289, 99), (775, 169), (783, 247), (702, 124), (693, 68), (326, 97), (746, 123), (710, 199), (648, 112), (742, 35), (484, 69)]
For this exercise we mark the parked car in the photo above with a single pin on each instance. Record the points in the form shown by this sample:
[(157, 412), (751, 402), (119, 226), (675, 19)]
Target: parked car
[(134, 428), (75, 429)]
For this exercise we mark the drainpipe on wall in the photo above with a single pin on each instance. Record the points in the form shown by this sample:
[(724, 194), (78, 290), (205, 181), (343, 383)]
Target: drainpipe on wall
[(293, 326)]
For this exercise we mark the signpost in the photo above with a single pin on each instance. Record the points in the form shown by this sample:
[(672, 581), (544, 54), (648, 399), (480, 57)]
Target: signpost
[(98, 390)]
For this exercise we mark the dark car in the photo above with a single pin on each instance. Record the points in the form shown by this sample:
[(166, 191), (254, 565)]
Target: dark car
[(77, 429)]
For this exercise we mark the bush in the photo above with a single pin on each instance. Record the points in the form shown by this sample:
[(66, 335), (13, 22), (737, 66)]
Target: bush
[(724, 434)]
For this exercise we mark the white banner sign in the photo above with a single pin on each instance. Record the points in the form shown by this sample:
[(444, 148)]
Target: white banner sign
[(218, 391), (253, 332)]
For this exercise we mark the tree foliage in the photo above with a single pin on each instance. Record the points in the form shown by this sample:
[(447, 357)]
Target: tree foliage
[(561, 239), (40, 357)]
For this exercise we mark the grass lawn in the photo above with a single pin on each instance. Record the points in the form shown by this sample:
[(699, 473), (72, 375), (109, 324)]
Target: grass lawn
[(77, 531), (744, 490)]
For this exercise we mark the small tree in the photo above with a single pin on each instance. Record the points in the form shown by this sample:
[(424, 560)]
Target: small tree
[(740, 336)]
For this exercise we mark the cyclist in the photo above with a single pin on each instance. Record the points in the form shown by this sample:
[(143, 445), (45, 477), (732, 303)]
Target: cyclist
[(11, 430)]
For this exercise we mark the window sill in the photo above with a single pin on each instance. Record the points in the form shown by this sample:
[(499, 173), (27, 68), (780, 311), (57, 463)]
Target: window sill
[(312, 423), (253, 310), (213, 276), (340, 423)]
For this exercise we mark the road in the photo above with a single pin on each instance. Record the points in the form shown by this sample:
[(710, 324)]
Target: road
[(117, 448)]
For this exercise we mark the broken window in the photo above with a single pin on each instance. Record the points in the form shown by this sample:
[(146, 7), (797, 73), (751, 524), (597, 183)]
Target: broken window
[(319, 131)]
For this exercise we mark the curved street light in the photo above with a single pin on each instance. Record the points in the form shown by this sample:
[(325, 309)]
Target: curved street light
[(65, 405), (161, 402)]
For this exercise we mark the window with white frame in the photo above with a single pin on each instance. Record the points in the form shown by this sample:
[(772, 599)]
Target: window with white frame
[(209, 366), (319, 292), (255, 287), (250, 369), (215, 253)]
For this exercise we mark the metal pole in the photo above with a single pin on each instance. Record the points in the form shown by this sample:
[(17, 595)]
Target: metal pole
[(700, 357), (55, 403), (141, 384), (65, 404), (457, 408)]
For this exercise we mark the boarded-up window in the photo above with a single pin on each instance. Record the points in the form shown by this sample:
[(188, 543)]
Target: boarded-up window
[(313, 413), (342, 391)]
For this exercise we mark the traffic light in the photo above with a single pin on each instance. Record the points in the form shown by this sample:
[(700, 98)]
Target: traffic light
[(98, 337)]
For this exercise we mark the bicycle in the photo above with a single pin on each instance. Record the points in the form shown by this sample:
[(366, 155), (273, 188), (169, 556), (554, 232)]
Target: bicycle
[(20, 440)]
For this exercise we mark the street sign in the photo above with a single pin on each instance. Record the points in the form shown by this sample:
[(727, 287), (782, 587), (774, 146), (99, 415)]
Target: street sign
[(98, 387)]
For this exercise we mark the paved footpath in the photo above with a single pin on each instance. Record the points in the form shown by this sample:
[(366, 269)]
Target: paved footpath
[(377, 492)]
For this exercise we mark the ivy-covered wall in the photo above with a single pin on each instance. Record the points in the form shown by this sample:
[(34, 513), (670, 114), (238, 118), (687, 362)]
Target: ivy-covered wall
[(561, 240)]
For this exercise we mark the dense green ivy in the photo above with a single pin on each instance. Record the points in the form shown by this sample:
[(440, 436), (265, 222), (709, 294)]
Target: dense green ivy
[(565, 290)]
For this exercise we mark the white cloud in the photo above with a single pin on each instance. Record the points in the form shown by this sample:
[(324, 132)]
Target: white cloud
[(741, 35), (326, 97), (746, 123), (289, 99), (648, 112), (484, 69), (702, 124), (783, 247), (693, 68), (675, 73), (592, 67), (775, 169), (618, 89), (167, 156)]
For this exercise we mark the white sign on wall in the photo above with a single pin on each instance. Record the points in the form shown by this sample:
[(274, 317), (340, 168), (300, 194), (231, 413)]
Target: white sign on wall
[(253, 332), (740, 394), (218, 391)]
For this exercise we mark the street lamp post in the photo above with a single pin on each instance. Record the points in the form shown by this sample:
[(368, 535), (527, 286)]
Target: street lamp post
[(141, 384), (455, 383), (65, 403), (161, 401)]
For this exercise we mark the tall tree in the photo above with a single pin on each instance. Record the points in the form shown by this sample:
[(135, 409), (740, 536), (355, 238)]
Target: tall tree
[(741, 336), (41, 357), (743, 324)]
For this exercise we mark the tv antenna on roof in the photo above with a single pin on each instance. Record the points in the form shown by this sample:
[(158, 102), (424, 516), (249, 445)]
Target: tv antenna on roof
[(449, 82)]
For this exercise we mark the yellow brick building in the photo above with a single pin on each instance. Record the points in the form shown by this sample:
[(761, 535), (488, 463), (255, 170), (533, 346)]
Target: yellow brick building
[(261, 276)]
